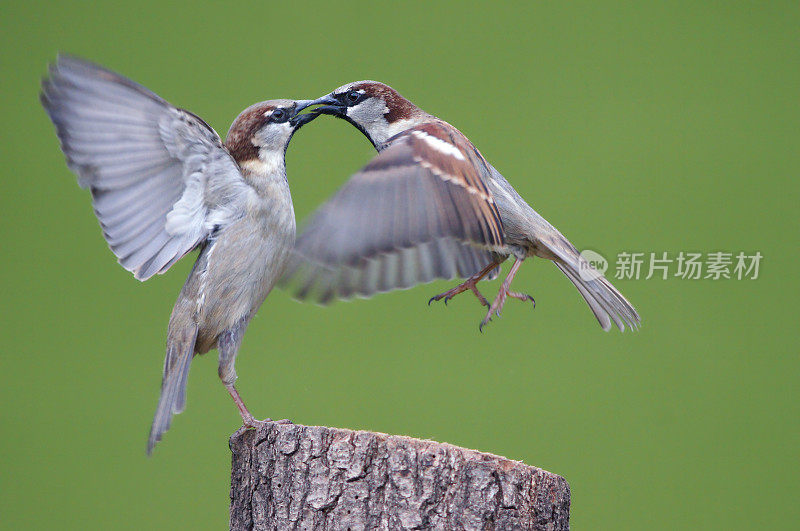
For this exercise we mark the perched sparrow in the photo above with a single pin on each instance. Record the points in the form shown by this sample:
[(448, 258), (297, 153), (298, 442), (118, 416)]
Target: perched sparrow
[(163, 184), (429, 206)]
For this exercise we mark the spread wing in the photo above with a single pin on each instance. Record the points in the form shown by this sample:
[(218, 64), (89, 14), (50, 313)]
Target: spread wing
[(419, 210), (161, 181)]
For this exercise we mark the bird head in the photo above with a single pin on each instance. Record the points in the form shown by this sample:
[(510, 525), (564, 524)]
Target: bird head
[(261, 133), (376, 109)]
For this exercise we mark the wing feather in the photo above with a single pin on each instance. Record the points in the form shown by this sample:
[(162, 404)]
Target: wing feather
[(160, 177), (413, 214)]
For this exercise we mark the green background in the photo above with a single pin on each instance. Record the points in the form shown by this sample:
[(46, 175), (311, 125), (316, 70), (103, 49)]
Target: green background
[(644, 127)]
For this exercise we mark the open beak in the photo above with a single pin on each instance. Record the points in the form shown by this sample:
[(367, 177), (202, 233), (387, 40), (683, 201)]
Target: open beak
[(299, 120), (330, 105)]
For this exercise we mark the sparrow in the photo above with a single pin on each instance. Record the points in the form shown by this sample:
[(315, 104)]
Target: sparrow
[(163, 184), (429, 206)]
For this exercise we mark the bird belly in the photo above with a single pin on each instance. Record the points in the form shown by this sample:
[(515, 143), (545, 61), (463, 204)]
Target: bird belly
[(523, 227), (239, 269)]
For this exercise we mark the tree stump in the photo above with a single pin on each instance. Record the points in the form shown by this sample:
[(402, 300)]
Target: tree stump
[(286, 476)]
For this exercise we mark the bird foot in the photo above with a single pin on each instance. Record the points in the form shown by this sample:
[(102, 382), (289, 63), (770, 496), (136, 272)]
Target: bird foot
[(522, 297), (248, 421), (497, 305), (254, 424), (461, 288)]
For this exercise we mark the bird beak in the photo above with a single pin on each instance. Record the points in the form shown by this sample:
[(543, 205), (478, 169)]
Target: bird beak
[(303, 104), (330, 105), (299, 120), (333, 110)]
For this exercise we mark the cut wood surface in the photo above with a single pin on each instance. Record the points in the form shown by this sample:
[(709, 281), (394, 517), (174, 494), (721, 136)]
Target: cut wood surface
[(287, 476)]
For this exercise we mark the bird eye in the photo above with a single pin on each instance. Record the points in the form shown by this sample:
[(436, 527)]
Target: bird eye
[(279, 116), (354, 97)]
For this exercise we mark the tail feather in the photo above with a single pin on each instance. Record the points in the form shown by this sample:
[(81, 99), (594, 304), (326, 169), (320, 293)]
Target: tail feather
[(606, 302), (173, 387)]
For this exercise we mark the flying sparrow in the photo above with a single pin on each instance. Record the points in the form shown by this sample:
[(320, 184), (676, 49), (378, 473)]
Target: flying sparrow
[(429, 206)]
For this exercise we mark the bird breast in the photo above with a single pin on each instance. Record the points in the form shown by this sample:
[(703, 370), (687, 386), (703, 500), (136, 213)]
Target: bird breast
[(239, 267)]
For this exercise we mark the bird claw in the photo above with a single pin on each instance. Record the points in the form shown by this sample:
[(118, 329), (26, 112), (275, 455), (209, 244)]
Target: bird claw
[(486, 320), (438, 298), (480, 297), (252, 423), (523, 297), (446, 296), (496, 307), (469, 284)]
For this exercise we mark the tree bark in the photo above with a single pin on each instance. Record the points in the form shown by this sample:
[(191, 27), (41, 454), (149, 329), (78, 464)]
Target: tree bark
[(286, 476)]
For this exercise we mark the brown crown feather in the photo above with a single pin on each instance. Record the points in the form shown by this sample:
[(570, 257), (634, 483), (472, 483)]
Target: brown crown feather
[(399, 107), (239, 141)]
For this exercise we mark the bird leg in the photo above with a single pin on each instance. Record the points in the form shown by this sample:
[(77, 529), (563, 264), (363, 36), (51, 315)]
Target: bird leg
[(228, 344), (469, 284), (248, 420), (500, 300)]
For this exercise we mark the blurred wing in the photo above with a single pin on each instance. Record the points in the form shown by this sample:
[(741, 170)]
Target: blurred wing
[(419, 210), (161, 181)]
